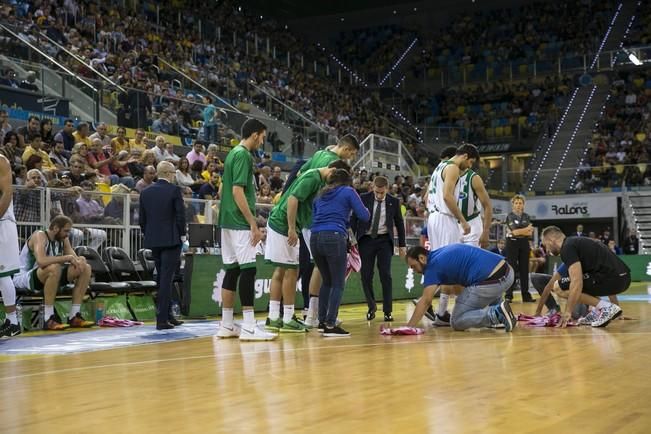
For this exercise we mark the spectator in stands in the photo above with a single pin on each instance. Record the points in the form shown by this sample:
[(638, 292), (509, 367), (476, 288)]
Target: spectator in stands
[(120, 142), (47, 135), (29, 83), (76, 173), (101, 133), (147, 179), (10, 149), (27, 201), (160, 153), (139, 141), (82, 134), (5, 126), (170, 154), (276, 182), (58, 157), (208, 191), (66, 135), (265, 195), (120, 167), (264, 176), (97, 159), (27, 132), (89, 209), (135, 163), (162, 124), (80, 151), (210, 126), (196, 170), (196, 154), (631, 244), (211, 155), (183, 177), (605, 236), (34, 148), (614, 247), (34, 162)]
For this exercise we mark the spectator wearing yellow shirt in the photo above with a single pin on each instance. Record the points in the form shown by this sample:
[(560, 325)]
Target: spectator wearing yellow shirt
[(81, 135), (210, 168), (34, 148), (120, 142), (139, 141)]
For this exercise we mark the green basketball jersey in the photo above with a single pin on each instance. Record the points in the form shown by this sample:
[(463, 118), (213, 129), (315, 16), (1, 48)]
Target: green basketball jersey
[(238, 170), (304, 189), (320, 159), (468, 202)]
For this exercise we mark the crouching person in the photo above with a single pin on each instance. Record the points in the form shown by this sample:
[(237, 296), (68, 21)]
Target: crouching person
[(48, 262), (478, 276)]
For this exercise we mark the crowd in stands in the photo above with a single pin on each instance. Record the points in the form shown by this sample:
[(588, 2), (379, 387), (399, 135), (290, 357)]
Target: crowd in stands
[(620, 146)]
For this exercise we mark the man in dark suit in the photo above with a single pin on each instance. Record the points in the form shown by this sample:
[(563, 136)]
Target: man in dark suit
[(375, 239), (579, 232), (162, 220), (500, 248)]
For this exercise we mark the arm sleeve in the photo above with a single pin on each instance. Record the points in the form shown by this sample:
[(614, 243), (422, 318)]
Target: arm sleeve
[(241, 170), (400, 227), (357, 205), (179, 211)]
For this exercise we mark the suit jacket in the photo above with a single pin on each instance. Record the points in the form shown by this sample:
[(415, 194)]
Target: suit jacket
[(393, 218), (497, 251), (576, 234), (162, 215)]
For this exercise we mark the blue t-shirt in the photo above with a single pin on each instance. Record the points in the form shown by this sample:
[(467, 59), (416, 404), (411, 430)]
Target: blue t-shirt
[(459, 264), (331, 211)]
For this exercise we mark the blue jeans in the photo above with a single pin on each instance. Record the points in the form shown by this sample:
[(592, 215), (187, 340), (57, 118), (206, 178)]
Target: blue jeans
[(474, 307), (330, 256)]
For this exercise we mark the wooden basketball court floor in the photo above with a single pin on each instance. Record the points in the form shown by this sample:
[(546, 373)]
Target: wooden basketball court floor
[(535, 380)]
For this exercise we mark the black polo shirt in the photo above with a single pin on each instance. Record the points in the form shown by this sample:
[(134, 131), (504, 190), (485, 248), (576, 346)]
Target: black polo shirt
[(595, 257)]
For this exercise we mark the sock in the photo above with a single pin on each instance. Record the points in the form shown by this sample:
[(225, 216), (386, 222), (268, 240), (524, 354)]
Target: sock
[(274, 310), (313, 310), (249, 319), (603, 303), (288, 313), (227, 317), (74, 311), (49, 311), (443, 304), (12, 317)]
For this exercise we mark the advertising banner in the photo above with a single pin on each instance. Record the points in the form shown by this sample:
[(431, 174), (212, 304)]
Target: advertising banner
[(572, 207)]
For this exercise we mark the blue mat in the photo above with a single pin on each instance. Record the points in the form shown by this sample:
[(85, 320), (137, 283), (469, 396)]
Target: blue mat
[(103, 339), (634, 297)]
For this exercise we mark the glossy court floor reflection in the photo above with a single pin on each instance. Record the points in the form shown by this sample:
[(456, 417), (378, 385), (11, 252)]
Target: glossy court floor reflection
[(534, 380)]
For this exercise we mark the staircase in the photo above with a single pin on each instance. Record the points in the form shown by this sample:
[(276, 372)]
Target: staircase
[(637, 212)]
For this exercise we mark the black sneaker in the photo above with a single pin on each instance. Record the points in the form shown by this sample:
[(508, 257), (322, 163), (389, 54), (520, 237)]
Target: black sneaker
[(335, 332), (321, 327), (10, 330), (429, 313)]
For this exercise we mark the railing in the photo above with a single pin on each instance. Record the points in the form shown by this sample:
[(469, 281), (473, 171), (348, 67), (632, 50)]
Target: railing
[(386, 155), (526, 69)]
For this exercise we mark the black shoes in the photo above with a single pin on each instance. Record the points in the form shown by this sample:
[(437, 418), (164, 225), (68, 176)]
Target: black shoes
[(370, 315), (164, 326), (8, 329), (388, 317), (174, 321), (335, 332)]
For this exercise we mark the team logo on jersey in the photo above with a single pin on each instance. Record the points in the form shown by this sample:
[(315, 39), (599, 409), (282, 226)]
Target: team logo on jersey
[(462, 195)]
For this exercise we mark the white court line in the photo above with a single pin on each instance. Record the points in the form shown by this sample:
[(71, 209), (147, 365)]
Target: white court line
[(289, 350)]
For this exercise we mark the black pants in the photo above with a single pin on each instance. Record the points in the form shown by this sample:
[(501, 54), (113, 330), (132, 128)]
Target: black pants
[(167, 261), (380, 248), (539, 281), (305, 268), (517, 255)]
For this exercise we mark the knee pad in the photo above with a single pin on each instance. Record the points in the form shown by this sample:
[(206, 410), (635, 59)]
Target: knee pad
[(247, 287), (8, 291), (230, 279)]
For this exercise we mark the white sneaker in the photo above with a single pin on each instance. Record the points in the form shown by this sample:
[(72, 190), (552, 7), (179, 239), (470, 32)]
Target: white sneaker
[(228, 332), (256, 334), (589, 318), (606, 315), (311, 323)]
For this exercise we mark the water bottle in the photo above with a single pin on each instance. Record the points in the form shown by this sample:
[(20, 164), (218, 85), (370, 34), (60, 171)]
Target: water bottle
[(19, 315), (176, 309), (99, 311)]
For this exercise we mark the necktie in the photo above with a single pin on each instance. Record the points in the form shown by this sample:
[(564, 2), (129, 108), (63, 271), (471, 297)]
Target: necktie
[(376, 220)]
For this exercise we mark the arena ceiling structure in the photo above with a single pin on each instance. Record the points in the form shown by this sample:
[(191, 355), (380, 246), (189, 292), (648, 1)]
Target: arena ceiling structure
[(297, 9)]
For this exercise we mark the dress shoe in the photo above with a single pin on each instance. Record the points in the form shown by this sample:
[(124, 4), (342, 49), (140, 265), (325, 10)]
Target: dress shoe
[(370, 315), (388, 317), (164, 326), (175, 322)]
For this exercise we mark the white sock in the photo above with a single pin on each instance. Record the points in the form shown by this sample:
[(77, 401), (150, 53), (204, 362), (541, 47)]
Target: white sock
[(12, 317), (227, 317), (313, 310), (288, 313), (49, 311), (443, 304), (249, 319), (74, 310), (274, 310), (603, 303), (8, 291)]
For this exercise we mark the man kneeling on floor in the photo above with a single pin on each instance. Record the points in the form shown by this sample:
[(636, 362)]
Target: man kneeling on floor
[(480, 278), (48, 262), (594, 271)]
